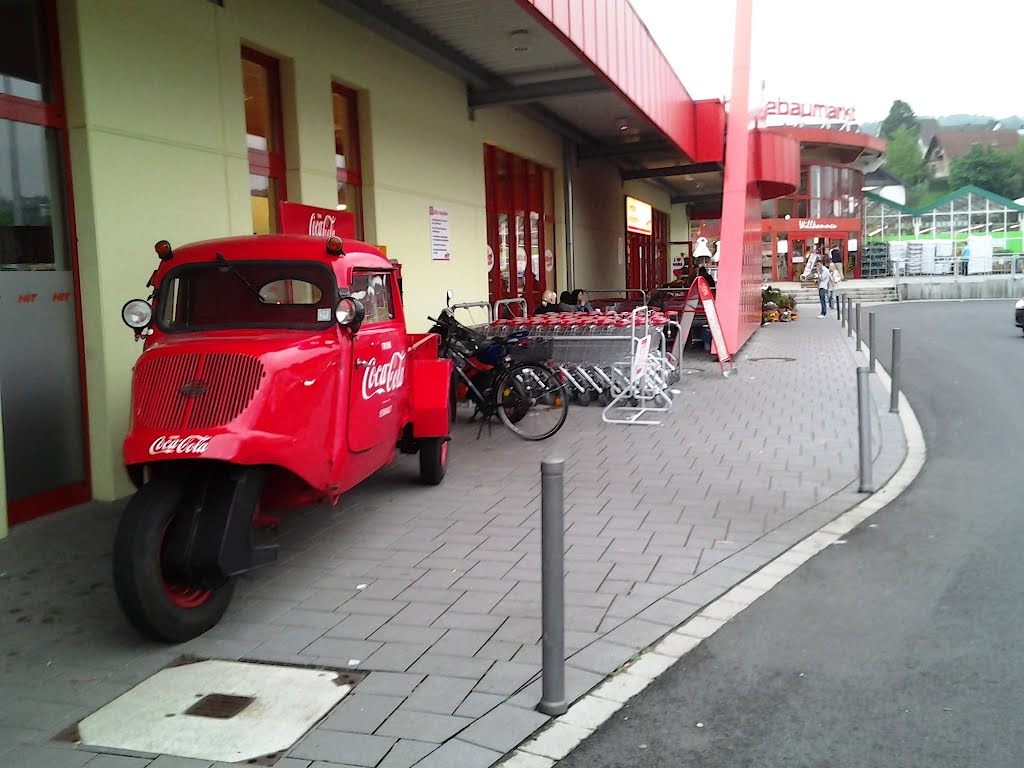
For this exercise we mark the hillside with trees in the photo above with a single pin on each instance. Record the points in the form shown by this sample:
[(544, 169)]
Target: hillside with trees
[(997, 170)]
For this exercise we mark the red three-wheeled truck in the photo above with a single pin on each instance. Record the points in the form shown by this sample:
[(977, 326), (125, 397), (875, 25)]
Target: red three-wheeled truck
[(276, 372)]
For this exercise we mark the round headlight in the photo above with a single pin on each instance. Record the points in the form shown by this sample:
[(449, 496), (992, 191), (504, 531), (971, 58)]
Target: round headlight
[(1019, 304), (346, 311), (137, 313)]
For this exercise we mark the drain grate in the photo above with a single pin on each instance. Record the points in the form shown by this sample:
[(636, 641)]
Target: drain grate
[(222, 706), (771, 359)]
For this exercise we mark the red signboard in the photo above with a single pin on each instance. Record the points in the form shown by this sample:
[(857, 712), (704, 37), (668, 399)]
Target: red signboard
[(298, 219), (816, 226)]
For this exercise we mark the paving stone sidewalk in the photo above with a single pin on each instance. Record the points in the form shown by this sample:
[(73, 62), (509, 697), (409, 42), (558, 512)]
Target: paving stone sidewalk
[(436, 591)]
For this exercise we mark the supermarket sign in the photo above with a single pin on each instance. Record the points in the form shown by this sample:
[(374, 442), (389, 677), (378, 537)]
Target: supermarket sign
[(811, 112)]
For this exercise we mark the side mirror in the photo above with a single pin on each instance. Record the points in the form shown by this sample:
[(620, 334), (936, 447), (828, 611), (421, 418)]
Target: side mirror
[(350, 313), (449, 296)]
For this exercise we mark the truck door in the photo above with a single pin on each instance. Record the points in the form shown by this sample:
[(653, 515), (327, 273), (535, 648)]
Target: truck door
[(377, 390)]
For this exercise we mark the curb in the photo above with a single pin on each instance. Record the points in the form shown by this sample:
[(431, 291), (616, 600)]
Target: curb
[(567, 732)]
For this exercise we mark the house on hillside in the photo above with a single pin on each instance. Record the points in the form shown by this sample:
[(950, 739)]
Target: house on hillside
[(885, 185), (1010, 124), (948, 144), (926, 128)]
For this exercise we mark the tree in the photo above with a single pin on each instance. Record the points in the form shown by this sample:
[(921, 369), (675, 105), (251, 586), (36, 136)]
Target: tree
[(900, 116), (984, 167), (1017, 178), (903, 156)]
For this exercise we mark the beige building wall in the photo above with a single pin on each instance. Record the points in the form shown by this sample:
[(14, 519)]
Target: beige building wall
[(157, 135), (599, 199)]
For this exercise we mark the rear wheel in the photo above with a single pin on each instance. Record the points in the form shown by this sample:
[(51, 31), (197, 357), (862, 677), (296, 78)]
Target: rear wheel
[(433, 459), (532, 401), (160, 605)]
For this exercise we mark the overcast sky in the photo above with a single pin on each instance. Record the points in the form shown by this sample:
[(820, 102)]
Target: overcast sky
[(959, 57)]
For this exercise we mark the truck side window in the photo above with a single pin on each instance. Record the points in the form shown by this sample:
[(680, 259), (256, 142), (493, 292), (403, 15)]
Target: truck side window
[(374, 290)]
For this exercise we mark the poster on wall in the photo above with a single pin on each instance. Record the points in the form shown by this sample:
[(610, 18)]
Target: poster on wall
[(678, 266), (440, 235)]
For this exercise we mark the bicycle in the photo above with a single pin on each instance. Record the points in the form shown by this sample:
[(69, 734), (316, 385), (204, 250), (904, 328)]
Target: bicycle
[(504, 377)]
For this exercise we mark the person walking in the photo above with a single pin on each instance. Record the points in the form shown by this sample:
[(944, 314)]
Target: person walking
[(824, 280)]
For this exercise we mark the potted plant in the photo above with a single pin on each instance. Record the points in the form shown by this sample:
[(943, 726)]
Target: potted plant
[(785, 307), (770, 303), (793, 312)]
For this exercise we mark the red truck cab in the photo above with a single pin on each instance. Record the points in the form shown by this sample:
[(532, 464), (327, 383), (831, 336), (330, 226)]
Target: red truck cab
[(276, 371)]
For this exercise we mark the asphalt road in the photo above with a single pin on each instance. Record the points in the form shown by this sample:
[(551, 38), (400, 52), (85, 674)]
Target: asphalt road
[(905, 645)]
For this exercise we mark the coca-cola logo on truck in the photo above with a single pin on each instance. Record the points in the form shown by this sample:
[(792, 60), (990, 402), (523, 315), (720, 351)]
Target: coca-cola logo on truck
[(385, 377), (178, 445), (321, 225)]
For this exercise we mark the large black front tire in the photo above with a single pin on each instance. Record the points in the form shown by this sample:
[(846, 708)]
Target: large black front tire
[(433, 459), (167, 612)]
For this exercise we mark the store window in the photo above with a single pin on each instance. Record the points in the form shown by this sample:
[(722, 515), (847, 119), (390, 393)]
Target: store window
[(264, 136), (346, 154), (41, 372), (520, 226)]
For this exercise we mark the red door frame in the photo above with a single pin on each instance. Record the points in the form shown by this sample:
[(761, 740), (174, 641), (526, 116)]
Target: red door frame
[(51, 115), (519, 195), (646, 261)]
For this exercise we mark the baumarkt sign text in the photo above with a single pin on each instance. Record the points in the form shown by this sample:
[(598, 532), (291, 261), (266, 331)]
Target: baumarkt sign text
[(808, 110)]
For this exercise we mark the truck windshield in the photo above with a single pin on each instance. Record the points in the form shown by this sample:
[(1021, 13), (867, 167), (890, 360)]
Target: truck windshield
[(247, 294)]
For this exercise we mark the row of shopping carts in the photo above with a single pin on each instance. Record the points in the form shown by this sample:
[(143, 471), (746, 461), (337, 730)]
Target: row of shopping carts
[(595, 352)]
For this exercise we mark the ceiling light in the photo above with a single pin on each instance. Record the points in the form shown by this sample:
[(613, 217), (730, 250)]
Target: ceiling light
[(622, 124), (342, 207)]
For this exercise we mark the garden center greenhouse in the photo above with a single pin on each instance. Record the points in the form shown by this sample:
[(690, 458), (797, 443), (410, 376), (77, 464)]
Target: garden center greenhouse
[(977, 227)]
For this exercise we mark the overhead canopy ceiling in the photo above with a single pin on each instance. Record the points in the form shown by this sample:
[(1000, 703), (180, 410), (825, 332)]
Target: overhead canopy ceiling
[(507, 56)]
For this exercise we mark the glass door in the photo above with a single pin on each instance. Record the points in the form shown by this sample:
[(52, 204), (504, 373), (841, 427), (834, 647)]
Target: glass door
[(41, 381), (520, 227)]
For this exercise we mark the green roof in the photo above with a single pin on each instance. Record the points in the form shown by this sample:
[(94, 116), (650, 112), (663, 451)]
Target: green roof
[(962, 192)]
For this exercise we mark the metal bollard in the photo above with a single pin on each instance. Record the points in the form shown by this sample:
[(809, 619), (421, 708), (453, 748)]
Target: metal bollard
[(894, 373), (864, 428), (857, 316), (552, 535), (849, 311), (871, 342), (839, 310)]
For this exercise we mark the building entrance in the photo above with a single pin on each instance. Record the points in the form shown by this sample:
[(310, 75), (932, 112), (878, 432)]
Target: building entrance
[(520, 227), (40, 349)]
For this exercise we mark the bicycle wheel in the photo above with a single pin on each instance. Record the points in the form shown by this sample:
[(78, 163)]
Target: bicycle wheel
[(531, 401)]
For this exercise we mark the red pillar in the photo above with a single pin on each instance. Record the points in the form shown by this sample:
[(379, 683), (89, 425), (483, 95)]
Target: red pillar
[(739, 268)]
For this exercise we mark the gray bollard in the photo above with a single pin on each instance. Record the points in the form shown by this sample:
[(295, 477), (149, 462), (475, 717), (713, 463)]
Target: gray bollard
[(849, 311), (857, 320), (552, 535), (839, 309), (871, 342), (864, 428), (894, 373)]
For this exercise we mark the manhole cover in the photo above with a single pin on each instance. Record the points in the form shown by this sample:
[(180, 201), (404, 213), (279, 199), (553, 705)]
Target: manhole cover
[(255, 713), (219, 705), (772, 359)]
